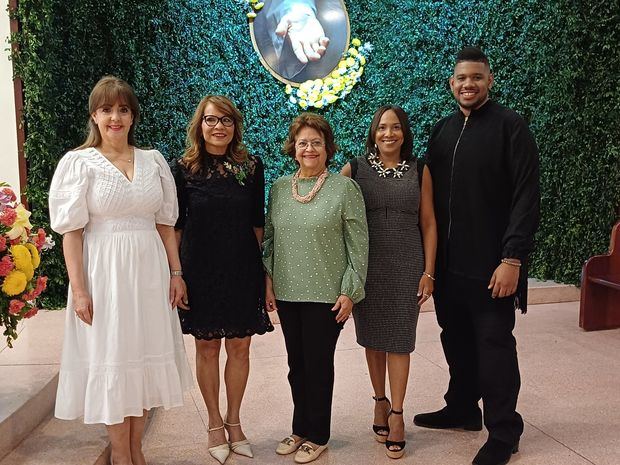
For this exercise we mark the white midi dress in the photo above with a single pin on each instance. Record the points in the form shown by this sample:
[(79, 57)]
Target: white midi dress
[(132, 357)]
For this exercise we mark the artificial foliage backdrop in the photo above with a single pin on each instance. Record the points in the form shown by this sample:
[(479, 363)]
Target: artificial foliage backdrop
[(556, 63)]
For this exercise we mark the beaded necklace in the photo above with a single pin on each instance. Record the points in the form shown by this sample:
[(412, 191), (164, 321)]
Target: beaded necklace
[(315, 190)]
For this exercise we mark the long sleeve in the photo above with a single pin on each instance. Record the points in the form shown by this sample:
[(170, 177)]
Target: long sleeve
[(179, 181), (518, 240), (268, 238), (169, 209), (355, 230), (67, 196), (259, 194)]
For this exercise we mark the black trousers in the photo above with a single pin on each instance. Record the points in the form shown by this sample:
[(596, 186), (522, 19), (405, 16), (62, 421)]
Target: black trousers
[(310, 334), (481, 353)]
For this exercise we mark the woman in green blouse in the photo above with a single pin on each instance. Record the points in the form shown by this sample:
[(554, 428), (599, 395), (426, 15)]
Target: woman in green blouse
[(316, 255)]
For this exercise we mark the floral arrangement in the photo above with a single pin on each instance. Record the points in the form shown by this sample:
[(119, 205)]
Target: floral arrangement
[(239, 171), (319, 93), (254, 7), (20, 250)]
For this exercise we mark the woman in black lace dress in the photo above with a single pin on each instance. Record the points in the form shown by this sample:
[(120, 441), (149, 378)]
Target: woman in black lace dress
[(221, 217)]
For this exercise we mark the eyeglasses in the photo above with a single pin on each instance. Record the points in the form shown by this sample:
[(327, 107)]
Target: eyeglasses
[(212, 120), (315, 144)]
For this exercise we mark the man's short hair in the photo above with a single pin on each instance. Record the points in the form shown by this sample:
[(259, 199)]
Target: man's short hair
[(472, 54)]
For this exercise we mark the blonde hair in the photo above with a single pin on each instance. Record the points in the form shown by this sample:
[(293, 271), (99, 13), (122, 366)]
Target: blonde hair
[(108, 91), (195, 150)]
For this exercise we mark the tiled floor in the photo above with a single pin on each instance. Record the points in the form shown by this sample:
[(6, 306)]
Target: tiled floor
[(570, 401)]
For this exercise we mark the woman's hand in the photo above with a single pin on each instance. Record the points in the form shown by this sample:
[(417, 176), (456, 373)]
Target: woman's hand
[(344, 306), (425, 289), (178, 293), (270, 298), (83, 306)]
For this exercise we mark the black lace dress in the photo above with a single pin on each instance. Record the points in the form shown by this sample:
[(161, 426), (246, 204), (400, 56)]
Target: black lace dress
[(221, 258)]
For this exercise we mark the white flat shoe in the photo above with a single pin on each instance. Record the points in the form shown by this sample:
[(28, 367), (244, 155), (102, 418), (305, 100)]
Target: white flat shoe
[(288, 445), (221, 451), (306, 453), (242, 447)]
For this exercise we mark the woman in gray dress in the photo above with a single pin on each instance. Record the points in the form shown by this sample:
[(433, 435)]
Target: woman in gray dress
[(397, 190)]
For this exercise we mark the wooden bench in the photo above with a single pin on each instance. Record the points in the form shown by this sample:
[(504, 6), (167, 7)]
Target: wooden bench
[(600, 288)]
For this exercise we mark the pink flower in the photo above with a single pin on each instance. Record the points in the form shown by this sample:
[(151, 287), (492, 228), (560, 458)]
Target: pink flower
[(2, 243), (39, 288), (39, 240), (6, 265), (7, 217), (15, 306), (32, 312), (7, 195)]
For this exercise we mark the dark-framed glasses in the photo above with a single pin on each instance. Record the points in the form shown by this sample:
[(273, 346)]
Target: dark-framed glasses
[(212, 120), (304, 144)]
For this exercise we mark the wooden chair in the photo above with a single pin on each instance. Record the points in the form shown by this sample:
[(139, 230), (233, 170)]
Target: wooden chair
[(600, 288)]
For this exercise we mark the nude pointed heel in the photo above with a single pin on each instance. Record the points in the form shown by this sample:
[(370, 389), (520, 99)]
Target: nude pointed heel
[(242, 447), (221, 451)]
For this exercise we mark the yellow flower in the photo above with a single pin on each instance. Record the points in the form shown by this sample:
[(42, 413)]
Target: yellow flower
[(251, 15), (331, 98), (335, 74), (36, 258), (21, 256), (305, 86), (356, 42), (350, 61), (353, 52), (318, 104), (253, 1), (21, 223), (303, 104), (258, 6), (342, 64), (362, 60), (14, 283), (288, 89)]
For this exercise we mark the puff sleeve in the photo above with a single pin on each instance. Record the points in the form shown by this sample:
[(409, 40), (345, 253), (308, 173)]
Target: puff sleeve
[(355, 230), (169, 210), (67, 195)]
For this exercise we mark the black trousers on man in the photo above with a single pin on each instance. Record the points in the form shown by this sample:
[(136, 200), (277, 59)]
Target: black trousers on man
[(310, 334), (481, 353)]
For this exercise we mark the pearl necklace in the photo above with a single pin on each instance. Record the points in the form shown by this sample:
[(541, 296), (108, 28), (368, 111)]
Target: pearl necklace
[(379, 167), (315, 190)]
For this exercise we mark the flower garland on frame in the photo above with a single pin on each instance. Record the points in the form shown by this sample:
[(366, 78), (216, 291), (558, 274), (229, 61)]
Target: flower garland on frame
[(319, 93), (254, 7)]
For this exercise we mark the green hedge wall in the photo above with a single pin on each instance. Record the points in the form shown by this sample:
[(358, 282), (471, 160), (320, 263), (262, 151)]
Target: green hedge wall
[(555, 62)]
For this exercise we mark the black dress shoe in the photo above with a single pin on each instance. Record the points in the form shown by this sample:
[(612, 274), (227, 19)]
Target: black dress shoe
[(443, 419), (495, 452)]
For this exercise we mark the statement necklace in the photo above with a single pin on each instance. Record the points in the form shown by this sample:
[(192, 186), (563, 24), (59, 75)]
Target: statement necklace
[(384, 172), (315, 190)]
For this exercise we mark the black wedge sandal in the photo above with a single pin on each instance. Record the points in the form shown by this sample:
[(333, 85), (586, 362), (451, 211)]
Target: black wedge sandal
[(381, 432), (395, 449)]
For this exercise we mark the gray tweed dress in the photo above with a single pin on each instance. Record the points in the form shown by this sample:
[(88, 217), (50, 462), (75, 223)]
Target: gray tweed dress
[(386, 319)]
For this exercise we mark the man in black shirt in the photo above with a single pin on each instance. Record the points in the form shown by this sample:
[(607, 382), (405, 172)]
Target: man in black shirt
[(484, 163)]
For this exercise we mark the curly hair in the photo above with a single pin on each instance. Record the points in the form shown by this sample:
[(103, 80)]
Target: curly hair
[(316, 122)]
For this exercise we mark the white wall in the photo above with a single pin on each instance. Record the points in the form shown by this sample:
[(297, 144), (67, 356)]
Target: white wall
[(9, 168)]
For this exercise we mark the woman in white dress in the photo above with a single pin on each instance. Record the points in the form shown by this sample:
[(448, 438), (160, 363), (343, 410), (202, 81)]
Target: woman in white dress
[(116, 206)]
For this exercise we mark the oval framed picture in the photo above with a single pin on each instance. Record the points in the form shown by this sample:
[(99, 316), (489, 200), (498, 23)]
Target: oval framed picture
[(282, 25)]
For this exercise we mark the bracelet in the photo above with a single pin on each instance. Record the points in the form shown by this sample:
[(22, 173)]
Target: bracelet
[(176, 272), (508, 262), (428, 275)]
